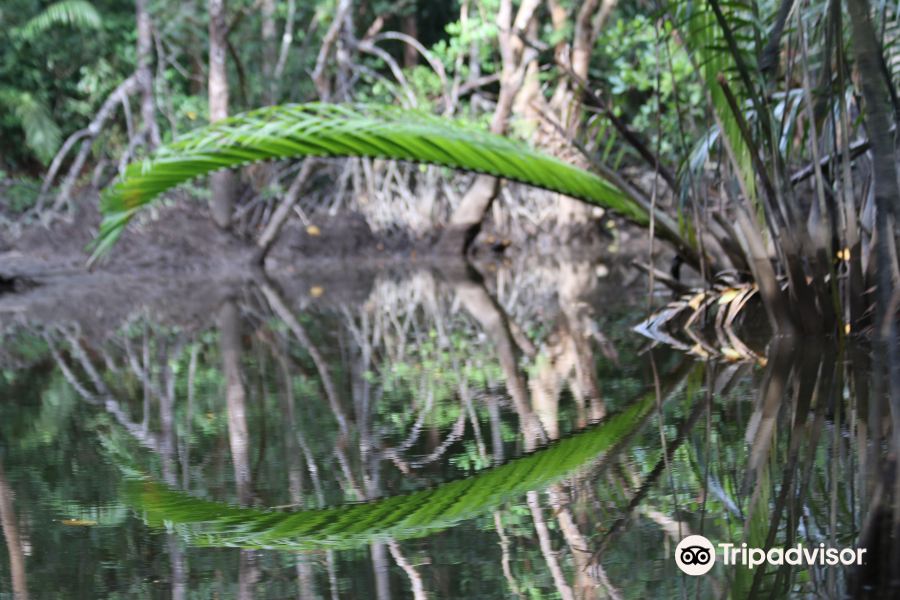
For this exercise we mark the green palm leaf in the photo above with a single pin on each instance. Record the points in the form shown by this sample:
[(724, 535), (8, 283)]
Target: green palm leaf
[(373, 131), (42, 134), (75, 13), (398, 517)]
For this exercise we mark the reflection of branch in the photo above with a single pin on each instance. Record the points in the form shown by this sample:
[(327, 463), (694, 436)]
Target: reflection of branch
[(235, 398), (493, 320), (418, 589), (683, 429), (281, 309), (112, 406), (458, 428), (13, 543), (185, 456), (543, 533), (394, 453), (295, 434), (814, 388), (504, 556)]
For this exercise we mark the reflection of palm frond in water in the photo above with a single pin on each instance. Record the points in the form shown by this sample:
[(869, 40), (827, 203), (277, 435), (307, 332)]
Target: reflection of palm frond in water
[(398, 517), (705, 323)]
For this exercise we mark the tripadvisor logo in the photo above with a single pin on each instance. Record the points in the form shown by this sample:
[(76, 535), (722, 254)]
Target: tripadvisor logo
[(695, 555)]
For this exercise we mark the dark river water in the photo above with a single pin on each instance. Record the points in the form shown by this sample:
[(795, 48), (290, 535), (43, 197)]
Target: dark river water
[(419, 434)]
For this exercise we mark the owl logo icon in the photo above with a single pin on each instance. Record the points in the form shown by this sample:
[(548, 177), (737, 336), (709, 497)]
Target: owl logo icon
[(695, 555)]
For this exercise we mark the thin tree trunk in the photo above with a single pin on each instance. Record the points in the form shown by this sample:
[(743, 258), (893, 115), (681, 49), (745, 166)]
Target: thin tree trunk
[(269, 50), (221, 183), (478, 303), (887, 195), (145, 73), (381, 570), (319, 75), (13, 543), (546, 544), (235, 397), (410, 28), (465, 223)]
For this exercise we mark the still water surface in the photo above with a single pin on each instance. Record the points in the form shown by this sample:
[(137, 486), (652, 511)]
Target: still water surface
[(425, 435)]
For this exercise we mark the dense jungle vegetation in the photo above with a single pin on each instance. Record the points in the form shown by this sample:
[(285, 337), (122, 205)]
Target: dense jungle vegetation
[(757, 137), (376, 423)]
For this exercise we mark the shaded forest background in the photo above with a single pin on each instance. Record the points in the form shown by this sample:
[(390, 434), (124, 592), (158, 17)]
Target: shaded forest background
[(128, 77)]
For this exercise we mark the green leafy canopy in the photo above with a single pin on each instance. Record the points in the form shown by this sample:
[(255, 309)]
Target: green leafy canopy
[(374, 131)]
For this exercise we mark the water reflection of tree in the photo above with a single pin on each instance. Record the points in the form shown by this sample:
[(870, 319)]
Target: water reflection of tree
[(14, 547), (376, 399)]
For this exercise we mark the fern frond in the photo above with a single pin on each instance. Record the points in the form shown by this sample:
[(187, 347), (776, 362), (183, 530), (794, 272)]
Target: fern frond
[(42, 134), (74, 13)]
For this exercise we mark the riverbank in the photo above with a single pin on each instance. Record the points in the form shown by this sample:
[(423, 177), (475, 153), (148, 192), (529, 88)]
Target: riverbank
[(177, 264)]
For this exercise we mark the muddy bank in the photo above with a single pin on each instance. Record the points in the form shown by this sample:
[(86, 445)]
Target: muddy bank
[(179, 237), (175, 263)]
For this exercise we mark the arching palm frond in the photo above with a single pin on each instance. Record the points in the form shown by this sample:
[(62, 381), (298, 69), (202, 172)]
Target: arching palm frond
[(74, 13), (207, 523), (374, 131)]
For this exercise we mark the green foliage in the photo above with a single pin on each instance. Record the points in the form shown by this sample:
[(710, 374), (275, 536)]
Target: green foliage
[(44, 55), (374, 131), (650, 80), (74, 13), (19, 194), (397, 517), (705, 40), (41, 133)]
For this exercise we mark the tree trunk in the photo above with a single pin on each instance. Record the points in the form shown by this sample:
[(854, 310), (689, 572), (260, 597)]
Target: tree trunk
[(887, 194), (145, 74), (410, 28), (221, 183), (565, 104), (235, 399), (465, 223), (10, 530), (269, 50)]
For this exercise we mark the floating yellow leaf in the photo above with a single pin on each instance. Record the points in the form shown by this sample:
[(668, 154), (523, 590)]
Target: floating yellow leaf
[(698, 350), (731, 354), (79, 522), (316, 291), (313, 230), (695, 302), (191, 115), (847, 328), (728, 295)]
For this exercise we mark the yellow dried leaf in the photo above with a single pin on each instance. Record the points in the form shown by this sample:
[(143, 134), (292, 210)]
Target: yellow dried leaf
[(844, 254), (695, 302), (313, 230), (731, 354), (316, 291), (79, 522), (728, 295), (847, 328), (698, 350)]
